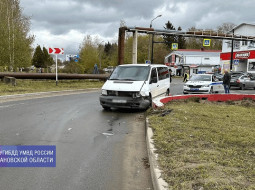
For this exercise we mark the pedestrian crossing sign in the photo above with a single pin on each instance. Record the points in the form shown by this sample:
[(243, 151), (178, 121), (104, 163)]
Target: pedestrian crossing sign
[(174, 46), (207, 42)]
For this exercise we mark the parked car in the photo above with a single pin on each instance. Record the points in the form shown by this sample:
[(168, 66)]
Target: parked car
[(234, 73), (109, 69), (134, 86), (219, 76), (203, 83), (243, 81)]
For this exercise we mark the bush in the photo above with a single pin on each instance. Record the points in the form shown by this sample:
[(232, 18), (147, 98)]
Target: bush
[(72, 68)]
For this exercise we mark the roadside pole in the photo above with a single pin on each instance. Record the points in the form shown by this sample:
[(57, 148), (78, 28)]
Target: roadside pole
[(56, 70), (56, 51)]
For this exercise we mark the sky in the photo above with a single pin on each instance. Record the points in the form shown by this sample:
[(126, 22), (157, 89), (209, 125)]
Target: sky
[(65, 23)]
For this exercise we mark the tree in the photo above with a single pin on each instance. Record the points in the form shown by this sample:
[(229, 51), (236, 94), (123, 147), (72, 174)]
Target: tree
[(47, 59), (169, 39), (15, 46), (159, 52), (226, 27), (181, 40), (89, 54), (109, 56), (38, 58), (197, 43)]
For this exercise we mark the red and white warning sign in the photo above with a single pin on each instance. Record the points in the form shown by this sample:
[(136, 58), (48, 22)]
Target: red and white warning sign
[(56, 50)]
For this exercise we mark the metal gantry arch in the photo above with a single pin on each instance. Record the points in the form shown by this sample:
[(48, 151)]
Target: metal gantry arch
[(152, 31)]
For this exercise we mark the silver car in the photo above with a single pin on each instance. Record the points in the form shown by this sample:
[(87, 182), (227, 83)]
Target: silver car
[(246, 81)]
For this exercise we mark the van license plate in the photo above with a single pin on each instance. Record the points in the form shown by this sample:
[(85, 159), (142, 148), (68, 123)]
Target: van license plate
[(194, 89), (119, 101)]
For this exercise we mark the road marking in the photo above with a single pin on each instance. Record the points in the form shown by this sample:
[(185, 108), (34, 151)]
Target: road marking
[(108, 134), (11, 105)]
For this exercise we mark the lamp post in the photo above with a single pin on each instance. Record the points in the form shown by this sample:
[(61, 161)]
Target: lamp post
[(154, 19), (152, 40)]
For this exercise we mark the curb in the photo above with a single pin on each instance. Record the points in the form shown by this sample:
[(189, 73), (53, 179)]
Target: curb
[(158, 182), (44, 94), (159, 102)]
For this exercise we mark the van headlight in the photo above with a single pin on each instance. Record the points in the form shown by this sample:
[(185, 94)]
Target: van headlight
[(104, 92), (205, 85), (136, 95)]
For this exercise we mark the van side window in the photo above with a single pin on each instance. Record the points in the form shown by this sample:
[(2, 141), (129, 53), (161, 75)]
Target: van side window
[(163, 73), (154, 76)]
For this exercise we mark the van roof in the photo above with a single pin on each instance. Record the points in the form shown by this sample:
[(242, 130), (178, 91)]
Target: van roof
[(151, 65)]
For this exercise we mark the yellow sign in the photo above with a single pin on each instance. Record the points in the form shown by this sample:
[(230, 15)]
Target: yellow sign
[(174, 46), (207, 42)]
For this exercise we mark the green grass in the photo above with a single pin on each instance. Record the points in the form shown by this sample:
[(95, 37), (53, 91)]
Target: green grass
[(206, 145), (30, 86)]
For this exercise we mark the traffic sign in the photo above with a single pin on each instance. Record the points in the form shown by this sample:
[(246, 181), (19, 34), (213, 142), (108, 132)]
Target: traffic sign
[(56, 50), (236, 61), (207, 42), (148, 61), (174, 46)]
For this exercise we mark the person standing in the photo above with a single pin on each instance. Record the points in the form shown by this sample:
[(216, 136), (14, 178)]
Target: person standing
[(226, 81), (95, 69), (170, 73), (186, 76)]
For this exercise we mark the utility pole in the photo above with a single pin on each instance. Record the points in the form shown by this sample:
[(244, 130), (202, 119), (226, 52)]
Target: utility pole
[(152, 41), (232, 52)]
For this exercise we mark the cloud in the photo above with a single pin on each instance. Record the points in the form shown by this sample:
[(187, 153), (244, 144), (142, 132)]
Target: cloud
[(73, 19)]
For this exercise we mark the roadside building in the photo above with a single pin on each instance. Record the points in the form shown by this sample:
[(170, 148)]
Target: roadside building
[(243, 51), (195, 61)]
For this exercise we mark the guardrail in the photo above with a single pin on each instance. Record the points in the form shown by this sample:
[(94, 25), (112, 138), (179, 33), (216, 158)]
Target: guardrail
[(52, 76)]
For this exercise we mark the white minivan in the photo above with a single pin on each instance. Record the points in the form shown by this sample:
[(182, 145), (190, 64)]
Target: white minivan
[(135, 85)]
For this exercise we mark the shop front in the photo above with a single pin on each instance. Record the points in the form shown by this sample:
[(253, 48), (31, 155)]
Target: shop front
[(242, 61)]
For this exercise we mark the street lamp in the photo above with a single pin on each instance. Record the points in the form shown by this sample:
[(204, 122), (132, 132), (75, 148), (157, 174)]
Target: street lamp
[(152, 40), (154, 19)]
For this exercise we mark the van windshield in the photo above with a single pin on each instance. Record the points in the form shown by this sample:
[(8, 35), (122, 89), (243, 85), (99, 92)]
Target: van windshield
[(132, 73)]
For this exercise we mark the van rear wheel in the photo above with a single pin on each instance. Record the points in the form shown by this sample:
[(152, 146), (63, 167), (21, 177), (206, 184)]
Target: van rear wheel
[(167, 92), (106, 108)]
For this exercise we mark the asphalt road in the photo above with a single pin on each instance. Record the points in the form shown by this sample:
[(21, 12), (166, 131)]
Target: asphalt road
[(95, 149)]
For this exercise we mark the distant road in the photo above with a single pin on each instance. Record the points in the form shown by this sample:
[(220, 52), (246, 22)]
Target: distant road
[(95, 149)]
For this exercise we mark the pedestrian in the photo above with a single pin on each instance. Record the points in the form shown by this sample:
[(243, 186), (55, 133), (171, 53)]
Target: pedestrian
[(170, 73), (95, 69), (186, 76), (226, 81)]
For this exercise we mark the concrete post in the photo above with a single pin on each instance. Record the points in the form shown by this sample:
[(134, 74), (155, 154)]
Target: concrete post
[(134, 54)]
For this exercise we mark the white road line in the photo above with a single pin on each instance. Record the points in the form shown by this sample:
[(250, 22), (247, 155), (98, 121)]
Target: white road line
[(11, 105)]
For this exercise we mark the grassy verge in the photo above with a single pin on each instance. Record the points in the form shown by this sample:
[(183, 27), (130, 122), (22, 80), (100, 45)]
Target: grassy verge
[(30, 86), (206, 145)]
